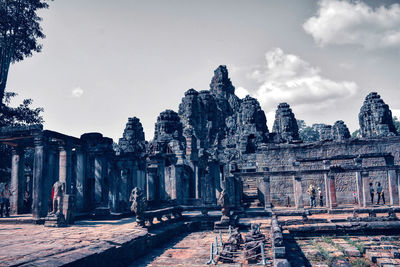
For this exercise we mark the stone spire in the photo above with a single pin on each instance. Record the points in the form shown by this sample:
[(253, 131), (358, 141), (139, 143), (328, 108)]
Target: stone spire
[(285, 124), (252, 124), (324, 131), (340, 131), (220, 83), (375, 117), (169, 128), (132, 140), (223, 90)]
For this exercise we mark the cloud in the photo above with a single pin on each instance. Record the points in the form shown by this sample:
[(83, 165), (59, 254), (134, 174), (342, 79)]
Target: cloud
[(343, 22), (241, 92), (77, 92), (288, 78)]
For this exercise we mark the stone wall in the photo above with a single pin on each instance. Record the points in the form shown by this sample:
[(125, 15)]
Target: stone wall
[(280, 158)]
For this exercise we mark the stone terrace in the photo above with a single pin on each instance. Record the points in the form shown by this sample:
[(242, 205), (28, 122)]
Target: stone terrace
[(32, 245)]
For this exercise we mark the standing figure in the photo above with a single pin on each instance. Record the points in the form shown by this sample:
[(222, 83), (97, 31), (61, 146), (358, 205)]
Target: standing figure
[(379, 193), (138, 205), (224, 200), (1, 199), (355, 198), (371, 192), (27, 202), (320, 196), (6, 201), (311, 192), (58, 192)]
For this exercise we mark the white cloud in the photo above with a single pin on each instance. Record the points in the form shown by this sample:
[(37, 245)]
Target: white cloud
[(77, 92), (396, 113), (241, 92), (343, 22), (288, 78)]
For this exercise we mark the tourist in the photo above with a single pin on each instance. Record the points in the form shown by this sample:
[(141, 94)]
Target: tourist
[(312, 193), (6, 201), (355, 198), (320, 196), (380, 194), (1, 199), (371, 192), (27, 202)]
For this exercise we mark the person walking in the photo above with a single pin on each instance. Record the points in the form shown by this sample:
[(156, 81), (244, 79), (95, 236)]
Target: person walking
[(6, 200), (320, 196), (379, 193), (311, 192), (371, 192), (1, 199), (355, 198)]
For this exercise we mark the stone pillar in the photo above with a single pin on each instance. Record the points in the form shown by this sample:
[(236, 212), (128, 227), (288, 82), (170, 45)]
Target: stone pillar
[(80, 184), (393, 187), (392, 181), (332, 191), (360, 189), (327, 191), (151, 181), (298, 192), (124, 186), (365, 185), (17, 180), (326, 183), (40, 174), (359, 181), (196, 180), (398, 184), (98, 180), (65, 167), (267, 192)]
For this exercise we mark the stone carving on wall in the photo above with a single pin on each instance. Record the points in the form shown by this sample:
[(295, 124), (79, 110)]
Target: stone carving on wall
[(285, 124), (375, 117)]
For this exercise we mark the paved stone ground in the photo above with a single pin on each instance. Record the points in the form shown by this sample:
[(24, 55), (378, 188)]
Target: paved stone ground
[(36, 244), (352, 250), (187, 250)]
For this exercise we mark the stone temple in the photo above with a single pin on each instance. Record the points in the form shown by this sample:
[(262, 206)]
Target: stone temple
[(215, 151)]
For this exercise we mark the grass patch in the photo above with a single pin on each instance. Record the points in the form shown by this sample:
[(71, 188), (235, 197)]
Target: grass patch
[(356, 244), (327, 240), (360, 263)]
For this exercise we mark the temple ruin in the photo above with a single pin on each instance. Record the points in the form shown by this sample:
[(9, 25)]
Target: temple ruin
[(216, 141)]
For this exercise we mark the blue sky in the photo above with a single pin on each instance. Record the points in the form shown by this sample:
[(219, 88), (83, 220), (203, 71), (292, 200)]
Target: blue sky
[(104, 61)]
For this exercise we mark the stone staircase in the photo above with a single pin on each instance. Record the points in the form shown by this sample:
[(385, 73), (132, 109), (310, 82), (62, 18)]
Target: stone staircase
[(250, 193)]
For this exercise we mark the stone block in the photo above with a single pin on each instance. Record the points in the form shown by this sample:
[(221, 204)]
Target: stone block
[(279, 252), (396, 254), (281, 263), (352, 252)]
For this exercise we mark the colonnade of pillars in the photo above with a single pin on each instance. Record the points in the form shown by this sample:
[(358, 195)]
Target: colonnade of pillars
[(59, 161), (362, 182)]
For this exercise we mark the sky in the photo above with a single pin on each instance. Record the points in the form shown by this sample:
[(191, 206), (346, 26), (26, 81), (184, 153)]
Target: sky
[(104, 61)]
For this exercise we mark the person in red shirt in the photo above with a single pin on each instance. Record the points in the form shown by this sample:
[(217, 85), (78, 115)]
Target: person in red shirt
[(6, 201)]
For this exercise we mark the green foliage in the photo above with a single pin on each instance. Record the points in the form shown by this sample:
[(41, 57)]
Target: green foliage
[(307, 133), (19, 33), (327, 240), (15, 116), (356, 244), (356, 133), (360, 263), (396, 123), (21, 115)]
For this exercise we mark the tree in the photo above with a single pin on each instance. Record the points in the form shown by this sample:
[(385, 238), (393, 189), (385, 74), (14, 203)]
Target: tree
[(19, 33), (396, 124), (307, 133), (13, 116), (356, 134)]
